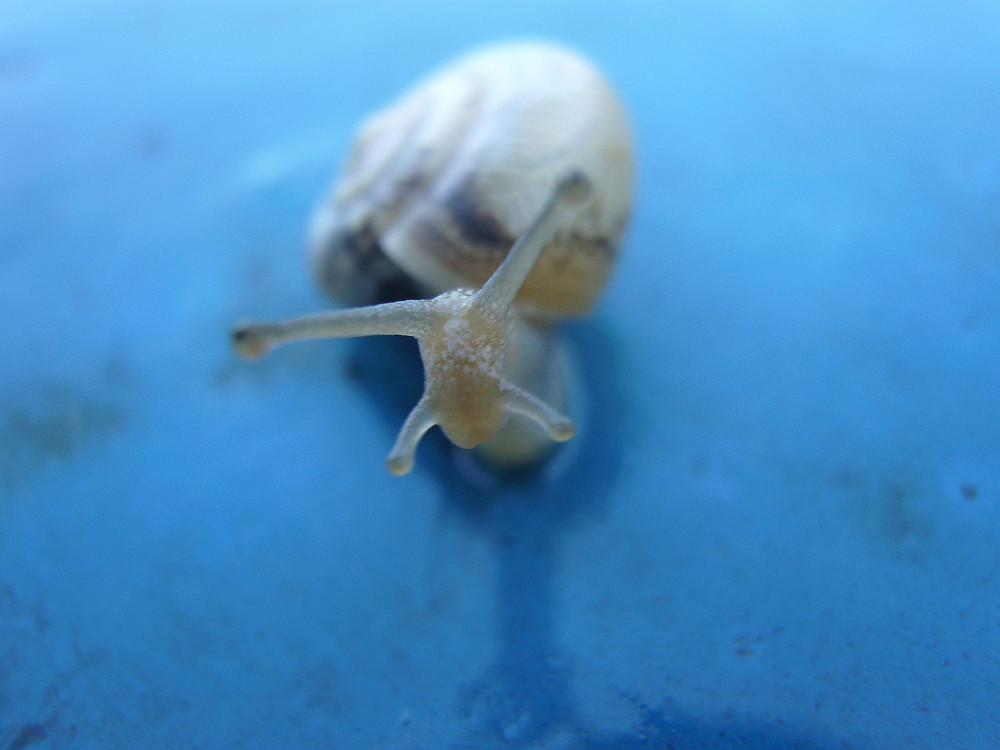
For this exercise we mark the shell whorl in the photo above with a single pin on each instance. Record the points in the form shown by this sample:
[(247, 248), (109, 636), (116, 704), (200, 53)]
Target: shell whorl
[(444, 181)]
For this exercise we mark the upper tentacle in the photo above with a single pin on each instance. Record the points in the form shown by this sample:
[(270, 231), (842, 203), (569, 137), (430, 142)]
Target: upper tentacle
[(405, 318), (497, 294)]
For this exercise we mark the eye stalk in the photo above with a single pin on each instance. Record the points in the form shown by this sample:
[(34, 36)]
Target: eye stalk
[(464, 339)]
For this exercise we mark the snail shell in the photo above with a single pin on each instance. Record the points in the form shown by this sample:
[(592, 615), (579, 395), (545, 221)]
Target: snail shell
[(500, 186), (441, 183)]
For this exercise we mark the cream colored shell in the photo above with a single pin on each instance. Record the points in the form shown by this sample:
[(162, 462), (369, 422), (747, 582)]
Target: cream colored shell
[(447, 178)]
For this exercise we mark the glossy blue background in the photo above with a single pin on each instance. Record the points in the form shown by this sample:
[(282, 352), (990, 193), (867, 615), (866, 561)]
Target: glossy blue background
[(777, 528)]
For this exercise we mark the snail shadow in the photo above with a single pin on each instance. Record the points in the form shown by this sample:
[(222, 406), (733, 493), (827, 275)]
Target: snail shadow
[(524, 698), (524, 695), (523, 514)]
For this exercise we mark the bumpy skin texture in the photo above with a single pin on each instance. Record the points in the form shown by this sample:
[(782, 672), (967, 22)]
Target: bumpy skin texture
[(464, 339), (464, 357)]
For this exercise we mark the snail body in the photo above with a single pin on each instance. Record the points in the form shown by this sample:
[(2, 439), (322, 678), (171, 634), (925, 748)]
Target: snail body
[(499, 186)]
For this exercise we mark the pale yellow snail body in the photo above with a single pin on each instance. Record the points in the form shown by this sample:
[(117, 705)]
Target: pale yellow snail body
[(520, 153)]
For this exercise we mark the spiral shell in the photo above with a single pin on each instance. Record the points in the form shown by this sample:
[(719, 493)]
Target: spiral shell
[(441, 183)]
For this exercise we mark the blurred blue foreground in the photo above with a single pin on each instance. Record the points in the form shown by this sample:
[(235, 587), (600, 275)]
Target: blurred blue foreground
[(778, 527)]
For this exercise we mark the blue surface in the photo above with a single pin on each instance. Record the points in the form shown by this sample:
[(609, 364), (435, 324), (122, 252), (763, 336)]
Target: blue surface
[(778, 527)]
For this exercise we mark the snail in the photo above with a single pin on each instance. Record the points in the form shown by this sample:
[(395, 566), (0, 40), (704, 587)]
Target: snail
[(475, 213)]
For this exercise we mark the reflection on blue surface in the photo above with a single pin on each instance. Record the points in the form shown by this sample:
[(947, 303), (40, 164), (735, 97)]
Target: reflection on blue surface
[(777, 527)]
